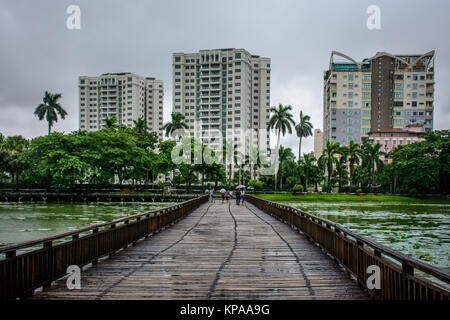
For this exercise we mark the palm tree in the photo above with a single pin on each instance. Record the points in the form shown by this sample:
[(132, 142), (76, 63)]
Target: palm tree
[(353, 152), (280, 121), (328, 158), (371, 156), (255, 161), (245, 161), (177, 123), (231, 154), (304, 130), (111, 123), (140, 126), (285, 154), (340, 170), (50, 108)]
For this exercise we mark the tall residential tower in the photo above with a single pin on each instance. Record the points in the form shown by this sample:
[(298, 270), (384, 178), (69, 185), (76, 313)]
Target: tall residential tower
[(384, 92), (126, 96), (224, 91)]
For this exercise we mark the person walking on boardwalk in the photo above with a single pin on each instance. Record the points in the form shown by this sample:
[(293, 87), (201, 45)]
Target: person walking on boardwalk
[(228, 195), (222, 194), (211, 195), (238, 196), (242, 196)]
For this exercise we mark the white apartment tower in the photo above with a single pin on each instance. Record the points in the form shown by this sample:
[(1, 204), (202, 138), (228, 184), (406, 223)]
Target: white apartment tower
[(126, 96), (224, 92)]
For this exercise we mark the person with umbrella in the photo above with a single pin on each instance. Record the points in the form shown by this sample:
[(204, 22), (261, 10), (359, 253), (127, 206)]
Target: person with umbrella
[(239, 194)]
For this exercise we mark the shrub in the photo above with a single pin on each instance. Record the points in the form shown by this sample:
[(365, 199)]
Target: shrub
[(413, 191), (359, 190), (256, 185), (298, 188)]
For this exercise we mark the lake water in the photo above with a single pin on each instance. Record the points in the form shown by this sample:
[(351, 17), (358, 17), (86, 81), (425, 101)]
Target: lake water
[(24, 221), (419, 230)]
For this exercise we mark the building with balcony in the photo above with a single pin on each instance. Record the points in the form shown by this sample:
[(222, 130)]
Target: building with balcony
[(126, 96), (384, 92), (224, 95)]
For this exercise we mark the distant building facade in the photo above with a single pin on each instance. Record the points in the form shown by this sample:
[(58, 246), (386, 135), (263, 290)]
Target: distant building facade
[(126, 96), (390, 139), (318, 143), (384, 92)]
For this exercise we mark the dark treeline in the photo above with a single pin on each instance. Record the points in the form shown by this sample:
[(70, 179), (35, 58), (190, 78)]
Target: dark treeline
[(118, 154)]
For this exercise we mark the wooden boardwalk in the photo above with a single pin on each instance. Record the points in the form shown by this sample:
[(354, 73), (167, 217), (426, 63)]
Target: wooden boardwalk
[(219, 251)]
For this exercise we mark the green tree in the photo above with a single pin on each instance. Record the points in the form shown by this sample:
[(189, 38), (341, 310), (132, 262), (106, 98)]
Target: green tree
[(11, 150), (328, 158), (308, 168), (50, 108), (187, 164), (111, 123), (282, 122), (163, 162), (140, 126), (232, 154), (177, 123), (304, 130), (284, 155), (371, 157), (353, 153), (424, 165)]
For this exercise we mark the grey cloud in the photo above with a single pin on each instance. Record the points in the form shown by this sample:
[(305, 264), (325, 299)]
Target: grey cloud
[(38, 52)]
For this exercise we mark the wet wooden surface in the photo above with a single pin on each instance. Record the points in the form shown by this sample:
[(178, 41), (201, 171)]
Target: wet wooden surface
[(219, 251)]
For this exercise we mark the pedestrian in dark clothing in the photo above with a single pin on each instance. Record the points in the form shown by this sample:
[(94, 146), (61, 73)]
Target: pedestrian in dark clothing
[(238, 197)]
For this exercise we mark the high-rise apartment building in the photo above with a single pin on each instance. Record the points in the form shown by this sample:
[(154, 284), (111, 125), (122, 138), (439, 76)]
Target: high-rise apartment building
[(318, 143), (223, 92), (126, 96), (384, 92)]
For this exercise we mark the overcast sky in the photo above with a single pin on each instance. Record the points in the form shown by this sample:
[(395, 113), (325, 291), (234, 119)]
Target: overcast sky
[(38, 52)]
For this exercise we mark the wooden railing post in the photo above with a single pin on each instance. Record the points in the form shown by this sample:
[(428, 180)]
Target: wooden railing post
[(95, 232), (126, 222), (406, 271), (51, 267), (135, 241)]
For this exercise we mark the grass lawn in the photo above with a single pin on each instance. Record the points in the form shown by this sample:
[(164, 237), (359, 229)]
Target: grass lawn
[(346, 198)]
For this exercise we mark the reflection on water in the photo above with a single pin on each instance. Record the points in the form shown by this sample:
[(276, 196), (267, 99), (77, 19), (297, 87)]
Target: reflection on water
[(419, 230), (24, 221)]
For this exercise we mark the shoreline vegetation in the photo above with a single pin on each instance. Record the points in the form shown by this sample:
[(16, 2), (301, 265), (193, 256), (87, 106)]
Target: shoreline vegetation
[(348, 198)]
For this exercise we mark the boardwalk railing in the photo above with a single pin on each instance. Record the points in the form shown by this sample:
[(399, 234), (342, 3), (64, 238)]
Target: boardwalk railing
[(356, 253), (33, 264)]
